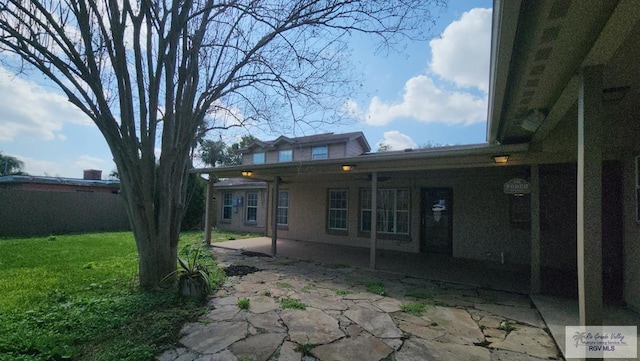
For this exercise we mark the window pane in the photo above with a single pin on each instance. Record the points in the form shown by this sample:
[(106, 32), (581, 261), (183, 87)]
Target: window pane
[(283, 199), (258, 158), (403, 200), (402, 222), (320, 152), (252, 199), (227, 202), (282, 214), (285, 155), (338, 211), (392, 211), (252, 214), (252, 207), (366, 221)]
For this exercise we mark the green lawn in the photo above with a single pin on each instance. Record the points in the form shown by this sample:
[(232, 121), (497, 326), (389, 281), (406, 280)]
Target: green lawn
[(75, 297)]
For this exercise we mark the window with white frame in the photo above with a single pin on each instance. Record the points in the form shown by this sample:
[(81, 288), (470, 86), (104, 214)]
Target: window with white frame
[(321, 152), (258, 158), (285, 155), (392, 211), (338, 210), (282, 215), (251, 207), (227, 205)]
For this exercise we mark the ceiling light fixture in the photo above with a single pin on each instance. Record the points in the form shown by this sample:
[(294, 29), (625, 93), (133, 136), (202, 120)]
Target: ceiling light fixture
[(501, 159)]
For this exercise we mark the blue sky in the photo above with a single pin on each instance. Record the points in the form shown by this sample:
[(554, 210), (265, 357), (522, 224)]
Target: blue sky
[(433, 92)]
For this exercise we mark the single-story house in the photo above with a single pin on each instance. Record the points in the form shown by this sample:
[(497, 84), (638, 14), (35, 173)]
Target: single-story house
[(556, 187), (36, 205)]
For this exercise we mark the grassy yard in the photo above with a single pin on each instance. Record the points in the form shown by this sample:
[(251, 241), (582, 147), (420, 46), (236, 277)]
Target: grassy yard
[(75, 297)]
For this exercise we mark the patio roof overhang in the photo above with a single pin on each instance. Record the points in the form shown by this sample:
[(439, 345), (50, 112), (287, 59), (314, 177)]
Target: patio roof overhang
[(539, 48), (453, 157)]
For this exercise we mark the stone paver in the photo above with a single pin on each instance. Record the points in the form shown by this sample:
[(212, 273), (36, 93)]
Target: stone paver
[(343, 321), (360, 348)]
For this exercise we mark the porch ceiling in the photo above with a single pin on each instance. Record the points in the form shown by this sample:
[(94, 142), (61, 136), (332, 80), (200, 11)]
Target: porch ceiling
[(539, 47)]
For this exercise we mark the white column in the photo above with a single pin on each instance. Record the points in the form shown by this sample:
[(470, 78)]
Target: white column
[(374, 218), (535, 229), (590, 197)]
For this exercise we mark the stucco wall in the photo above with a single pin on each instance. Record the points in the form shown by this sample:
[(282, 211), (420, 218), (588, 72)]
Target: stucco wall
[(28, 212), (481, 226)]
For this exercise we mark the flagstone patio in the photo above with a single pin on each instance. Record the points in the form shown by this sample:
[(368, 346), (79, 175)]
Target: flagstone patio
[(356, 314)]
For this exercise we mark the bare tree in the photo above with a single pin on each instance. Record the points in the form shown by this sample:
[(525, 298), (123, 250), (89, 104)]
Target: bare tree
[(155, 75)]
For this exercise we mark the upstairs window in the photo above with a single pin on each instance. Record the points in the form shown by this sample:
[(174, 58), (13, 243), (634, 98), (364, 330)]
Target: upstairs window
[(320, 152), (285, 155), (258, 158)]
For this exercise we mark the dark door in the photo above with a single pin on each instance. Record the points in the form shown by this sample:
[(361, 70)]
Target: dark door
[(612, 233), (436, 215)]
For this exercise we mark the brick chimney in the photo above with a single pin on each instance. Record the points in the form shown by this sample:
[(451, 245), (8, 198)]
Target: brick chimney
[(92, 174)]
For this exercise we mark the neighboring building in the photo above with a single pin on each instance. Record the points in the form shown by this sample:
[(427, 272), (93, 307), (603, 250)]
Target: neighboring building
[(33, 205), (555, 190)]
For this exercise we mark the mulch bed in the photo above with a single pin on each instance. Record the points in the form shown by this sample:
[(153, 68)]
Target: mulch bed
[(240, 270)]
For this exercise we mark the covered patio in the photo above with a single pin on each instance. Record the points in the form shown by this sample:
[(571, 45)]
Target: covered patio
[(421, 265)]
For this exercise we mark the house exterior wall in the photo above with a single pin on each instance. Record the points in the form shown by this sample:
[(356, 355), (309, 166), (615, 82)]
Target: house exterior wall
[(300, 153), (631, 232), (481, 225), (237, 222), (35, 212), (353, 149), (620, 134)]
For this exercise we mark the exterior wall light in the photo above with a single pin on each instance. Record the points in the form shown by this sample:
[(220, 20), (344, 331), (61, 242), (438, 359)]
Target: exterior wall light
[(247, 173), (500, 159), (348, 167)]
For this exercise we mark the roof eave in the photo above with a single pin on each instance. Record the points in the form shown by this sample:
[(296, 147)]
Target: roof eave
[(506, 15)]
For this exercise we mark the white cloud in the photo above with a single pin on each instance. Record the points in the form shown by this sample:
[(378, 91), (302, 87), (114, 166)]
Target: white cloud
[(460, 56), (88, 162), (397, 140), (424, 101), (462, 53), (30, 111), (41, 167)]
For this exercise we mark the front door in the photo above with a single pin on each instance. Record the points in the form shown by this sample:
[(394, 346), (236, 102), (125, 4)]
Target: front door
[(436, 216)]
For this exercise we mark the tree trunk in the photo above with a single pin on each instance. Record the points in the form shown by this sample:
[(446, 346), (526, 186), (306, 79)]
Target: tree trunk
[(154, 205)]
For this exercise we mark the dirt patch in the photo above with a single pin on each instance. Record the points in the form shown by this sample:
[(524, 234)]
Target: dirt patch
[(240, 270)]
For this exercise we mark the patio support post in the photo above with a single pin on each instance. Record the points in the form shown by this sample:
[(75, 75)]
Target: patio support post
[(274, 232), (589, 207), (374, 217), (208, 213), (535, 229)]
